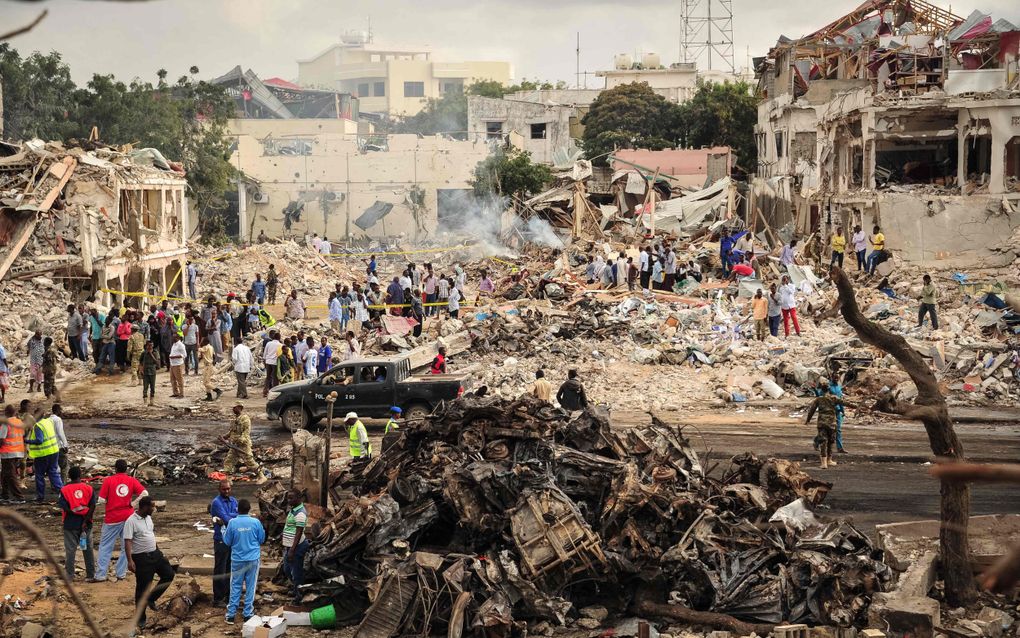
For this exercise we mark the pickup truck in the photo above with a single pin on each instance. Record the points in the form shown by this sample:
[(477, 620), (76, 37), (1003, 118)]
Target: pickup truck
[(366, 386)]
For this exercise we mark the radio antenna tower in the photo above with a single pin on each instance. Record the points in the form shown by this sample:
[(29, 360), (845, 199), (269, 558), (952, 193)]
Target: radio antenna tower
[(706, 30)]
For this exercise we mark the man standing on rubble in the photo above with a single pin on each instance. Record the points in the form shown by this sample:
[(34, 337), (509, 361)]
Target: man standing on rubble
[(646, 267), (541, 388), (294, 543), (838, 243), (223, 509), (826, 405), (238, 440), (295, 307), (859, 241), (760, 313), (75, 326), (244, 535), (928, 296), (78, 505), (49, 368), (571, 395), (357, 437), (144, 559), (192, 280), (270, 356), (118, 493), (272, 281), (36, 349), (259, 288), (788, 303), (877, 248)]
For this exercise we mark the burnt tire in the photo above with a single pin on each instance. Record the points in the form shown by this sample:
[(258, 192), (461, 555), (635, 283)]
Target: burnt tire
[(295, 418), (417, 411)]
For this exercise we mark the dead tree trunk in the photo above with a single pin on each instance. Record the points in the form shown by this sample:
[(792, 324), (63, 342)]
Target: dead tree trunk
[(930, 409)]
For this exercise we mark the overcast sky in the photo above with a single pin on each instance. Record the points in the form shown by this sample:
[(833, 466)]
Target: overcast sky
[(538, 37)]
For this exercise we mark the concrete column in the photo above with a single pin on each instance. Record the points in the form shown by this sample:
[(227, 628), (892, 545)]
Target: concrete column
[(962, 123), (242, 211)]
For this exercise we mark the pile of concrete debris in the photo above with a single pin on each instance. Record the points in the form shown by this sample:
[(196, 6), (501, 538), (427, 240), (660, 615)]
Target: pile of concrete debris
[(491, 512)]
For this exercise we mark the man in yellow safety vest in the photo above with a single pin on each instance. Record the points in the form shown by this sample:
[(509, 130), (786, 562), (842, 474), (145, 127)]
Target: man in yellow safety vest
[(357, 437), (44, 451), (391, 425)]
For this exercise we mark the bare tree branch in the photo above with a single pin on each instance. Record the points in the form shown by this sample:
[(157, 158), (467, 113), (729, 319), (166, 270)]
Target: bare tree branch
[(26, 28)]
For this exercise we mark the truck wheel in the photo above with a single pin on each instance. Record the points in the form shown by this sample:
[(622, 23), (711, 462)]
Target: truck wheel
[(294, 418), (417, 411)]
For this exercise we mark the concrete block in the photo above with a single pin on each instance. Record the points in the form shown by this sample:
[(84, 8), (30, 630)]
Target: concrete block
[(917, 616), (791, 631), (872, 633), (718, 634), (919, 578)]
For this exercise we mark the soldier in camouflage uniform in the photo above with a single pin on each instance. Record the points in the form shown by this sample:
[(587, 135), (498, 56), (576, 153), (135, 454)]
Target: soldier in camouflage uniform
[(826, 405), (135, 348), (49, 368), (239, 439)]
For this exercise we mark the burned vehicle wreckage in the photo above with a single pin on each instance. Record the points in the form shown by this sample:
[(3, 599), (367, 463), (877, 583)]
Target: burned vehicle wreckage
[(491, 512)]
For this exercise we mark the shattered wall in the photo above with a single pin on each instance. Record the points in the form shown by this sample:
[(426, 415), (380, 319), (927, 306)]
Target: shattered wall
[(343, 175), (537, 128)]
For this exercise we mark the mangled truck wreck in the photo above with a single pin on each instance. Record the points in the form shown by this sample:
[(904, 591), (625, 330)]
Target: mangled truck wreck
[(493, 512)]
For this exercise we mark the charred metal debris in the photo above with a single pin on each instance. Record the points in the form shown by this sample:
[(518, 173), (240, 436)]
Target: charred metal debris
[(493, 512)]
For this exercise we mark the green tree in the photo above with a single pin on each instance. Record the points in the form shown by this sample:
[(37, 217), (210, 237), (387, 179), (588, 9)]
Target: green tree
[(486, 88), (721, 114), (629, 116), (510, 173), (37, 92), (447, 114)]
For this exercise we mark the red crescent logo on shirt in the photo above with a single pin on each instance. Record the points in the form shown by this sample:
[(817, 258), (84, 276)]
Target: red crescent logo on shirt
[(122, 490), (79, 494)]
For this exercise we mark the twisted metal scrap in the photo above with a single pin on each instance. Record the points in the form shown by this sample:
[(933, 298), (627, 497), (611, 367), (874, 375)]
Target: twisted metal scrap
[(12, 517)]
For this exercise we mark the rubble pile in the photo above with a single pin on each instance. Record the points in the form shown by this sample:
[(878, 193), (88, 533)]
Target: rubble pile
[(494, 511)]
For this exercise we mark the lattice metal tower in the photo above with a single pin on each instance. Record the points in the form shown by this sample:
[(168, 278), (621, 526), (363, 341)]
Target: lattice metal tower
[(706, 31)]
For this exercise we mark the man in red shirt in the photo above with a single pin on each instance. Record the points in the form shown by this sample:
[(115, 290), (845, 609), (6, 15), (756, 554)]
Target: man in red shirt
[(743, 269), (119, 492), (78, 503)]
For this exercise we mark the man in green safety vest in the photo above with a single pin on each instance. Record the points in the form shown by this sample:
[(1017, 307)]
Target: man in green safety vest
[(391, 425), (44, 450), (357, 437)]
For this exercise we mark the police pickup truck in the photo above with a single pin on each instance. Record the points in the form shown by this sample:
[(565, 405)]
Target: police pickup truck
[(366, 386)]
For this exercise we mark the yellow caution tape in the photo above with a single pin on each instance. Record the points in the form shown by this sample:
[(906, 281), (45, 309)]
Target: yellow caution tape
[(400, 252)]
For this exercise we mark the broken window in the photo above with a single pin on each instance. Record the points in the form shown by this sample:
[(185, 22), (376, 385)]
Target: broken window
[(779, 144), (379, 89), (1013, 164), (414, 89), (493, 130), (916, 161), (152, 206), (363, 89), (538, 131), (803, 146)]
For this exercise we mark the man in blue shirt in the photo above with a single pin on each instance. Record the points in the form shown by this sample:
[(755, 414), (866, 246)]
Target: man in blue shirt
[(259, 288), (325, 356), (245, 536), (223, 509)]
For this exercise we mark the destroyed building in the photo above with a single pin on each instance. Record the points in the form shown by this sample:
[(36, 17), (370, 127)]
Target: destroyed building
[(104, 221), (305, 176), (277, 98), (900, 114)]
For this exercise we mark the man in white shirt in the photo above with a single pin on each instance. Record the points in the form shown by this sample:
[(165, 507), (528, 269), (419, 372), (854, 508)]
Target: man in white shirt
[(310, 358), (454, 302), (270, 354), (58, 428), (145, 560), (178, 353), (860, 242), (243, 363), (788, 302), (405, 281), (316, 242), (325, 247), (192, 279), (353, 348), (336, 313)]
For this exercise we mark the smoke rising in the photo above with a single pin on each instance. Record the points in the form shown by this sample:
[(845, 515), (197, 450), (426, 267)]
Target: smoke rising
[(483, 218)]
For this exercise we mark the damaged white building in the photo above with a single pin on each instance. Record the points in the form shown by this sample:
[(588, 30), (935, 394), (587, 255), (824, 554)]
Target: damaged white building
[(110, 225), (899, 114)]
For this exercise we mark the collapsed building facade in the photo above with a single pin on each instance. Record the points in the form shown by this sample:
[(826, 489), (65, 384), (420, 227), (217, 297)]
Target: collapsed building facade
[(105, 221), (900, 114)]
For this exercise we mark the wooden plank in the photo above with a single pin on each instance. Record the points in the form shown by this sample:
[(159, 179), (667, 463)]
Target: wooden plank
[(61, 171), (27, 228)]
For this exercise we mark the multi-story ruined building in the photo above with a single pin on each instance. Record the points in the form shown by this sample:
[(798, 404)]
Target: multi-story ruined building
[(899, 114)]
